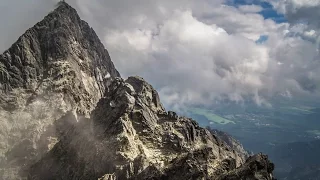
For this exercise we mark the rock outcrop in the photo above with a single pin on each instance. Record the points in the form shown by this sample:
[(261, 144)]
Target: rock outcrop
[(66, 114), (131, 136), (230, 141), (57, 66)]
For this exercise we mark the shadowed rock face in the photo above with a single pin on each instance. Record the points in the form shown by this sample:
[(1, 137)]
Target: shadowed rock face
[(59, 65), (66, 114)]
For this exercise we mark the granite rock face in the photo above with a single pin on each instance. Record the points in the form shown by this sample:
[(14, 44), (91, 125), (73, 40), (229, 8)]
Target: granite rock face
[(131, 136), (66, 114), (57, 66)]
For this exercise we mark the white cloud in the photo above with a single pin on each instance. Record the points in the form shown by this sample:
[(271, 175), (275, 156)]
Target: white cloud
[(300, 11), (139, 39), (197, 62), (197, 52), (250, 8), (296, 4), (234, 21)]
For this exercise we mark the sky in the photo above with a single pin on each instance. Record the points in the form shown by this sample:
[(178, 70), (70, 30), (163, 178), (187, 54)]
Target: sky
[(199, 52)]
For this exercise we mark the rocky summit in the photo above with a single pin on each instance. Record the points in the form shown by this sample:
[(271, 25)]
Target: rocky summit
[(57, 66), (66, 113)]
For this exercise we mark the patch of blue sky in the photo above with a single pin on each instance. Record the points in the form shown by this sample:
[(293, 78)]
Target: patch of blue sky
[(268, 12), (262, 39)]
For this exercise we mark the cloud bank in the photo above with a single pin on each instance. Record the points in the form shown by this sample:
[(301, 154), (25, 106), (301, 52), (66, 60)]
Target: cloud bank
[(198, 52)]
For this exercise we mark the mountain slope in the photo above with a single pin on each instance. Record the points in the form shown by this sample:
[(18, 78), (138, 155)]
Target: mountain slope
[(59, 65), (131, 136)]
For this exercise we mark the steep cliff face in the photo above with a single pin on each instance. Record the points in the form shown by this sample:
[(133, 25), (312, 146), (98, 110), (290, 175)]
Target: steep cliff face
[(65, 113), (131, 136), (59, 65)]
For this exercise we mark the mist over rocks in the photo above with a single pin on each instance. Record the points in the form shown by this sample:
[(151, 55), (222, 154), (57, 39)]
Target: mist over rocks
[(66, 113)]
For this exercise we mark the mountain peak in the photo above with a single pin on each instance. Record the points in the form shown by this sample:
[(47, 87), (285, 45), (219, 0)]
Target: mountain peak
[(57, 66), (63, 3), (64, 9), (61, 35)]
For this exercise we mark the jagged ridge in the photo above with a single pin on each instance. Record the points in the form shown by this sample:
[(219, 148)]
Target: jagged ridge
[(131, 136)]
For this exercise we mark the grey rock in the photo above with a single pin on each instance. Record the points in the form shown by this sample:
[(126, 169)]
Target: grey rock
[(256, 167), (108, 177), (137, 139), (229, 141), (57, 66), (173, 115)]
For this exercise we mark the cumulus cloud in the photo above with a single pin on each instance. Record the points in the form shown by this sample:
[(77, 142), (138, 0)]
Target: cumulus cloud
[(203, 51), (302, 40), (300, 11), (250, 8)]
